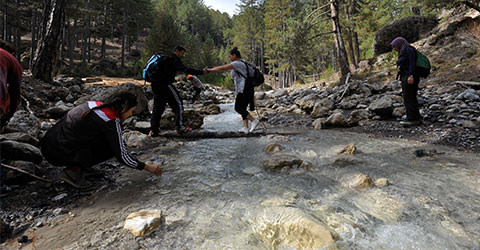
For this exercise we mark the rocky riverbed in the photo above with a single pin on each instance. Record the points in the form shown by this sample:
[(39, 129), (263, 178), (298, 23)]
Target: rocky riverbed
[(451, 117)]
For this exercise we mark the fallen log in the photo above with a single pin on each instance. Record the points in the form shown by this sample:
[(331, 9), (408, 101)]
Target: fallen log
[(204, 134), (27, 173), (467, 84)]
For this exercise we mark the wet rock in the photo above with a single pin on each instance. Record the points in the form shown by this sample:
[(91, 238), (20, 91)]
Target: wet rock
[(156, 160), (23, 121), (273, 94), (344, 160), (289, 228), (212, 109), (273, 148), (382, 182), (379, 205), (279, 161), (134, 138), (349, 149), (143, 222), (12, 150), (252, 170), (20, 137), (357, 181), (469, 94)]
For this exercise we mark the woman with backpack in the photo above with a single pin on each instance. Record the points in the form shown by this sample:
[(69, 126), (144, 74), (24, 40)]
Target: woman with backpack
[(90, 134), (407, 61), (245, 93)]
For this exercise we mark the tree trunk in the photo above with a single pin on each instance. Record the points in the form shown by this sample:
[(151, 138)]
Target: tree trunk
[(17, 35), (70, 45), (84, 46), (88, 33), (124, 33), (340, 47), (44, 63), (33, 46)]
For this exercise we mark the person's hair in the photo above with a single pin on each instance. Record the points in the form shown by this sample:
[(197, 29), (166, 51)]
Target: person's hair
[(236, 52), (180, 48), (119, 101), (7, 46)]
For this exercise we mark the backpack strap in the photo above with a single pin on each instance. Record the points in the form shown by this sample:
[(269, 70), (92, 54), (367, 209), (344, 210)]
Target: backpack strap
[(246, 66)]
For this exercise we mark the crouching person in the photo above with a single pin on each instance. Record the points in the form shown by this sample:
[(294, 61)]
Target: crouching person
[(90, 134)]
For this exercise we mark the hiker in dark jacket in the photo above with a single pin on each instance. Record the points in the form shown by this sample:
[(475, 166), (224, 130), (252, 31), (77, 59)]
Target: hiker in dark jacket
[(407, 61), (164, 92), (90, 134)]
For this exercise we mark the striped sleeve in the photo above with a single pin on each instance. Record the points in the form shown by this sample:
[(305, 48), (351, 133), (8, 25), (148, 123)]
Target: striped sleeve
[(121, 152)]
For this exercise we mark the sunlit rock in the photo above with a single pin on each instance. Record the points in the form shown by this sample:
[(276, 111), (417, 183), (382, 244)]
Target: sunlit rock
[(273, 148), (134, 138), (143, 222), (382, 182), (348, 150), (285, 228), (357, 181), (278, 161), (379, 205), (252, 170)]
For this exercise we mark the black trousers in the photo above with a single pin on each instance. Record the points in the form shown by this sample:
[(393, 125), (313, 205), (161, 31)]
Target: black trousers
[(243, 100), (82, 157), (163, 94), (410, 101)]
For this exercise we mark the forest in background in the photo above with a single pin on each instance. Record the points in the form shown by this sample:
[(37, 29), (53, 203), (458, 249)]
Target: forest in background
[(288, 40)]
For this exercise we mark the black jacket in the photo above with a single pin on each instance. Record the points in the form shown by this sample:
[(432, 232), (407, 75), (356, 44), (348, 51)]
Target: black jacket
[(173, 64), (77, 141), (407, 61)]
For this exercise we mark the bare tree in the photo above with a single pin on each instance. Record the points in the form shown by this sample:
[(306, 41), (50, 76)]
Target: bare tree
[(340, 47), (44, 61)]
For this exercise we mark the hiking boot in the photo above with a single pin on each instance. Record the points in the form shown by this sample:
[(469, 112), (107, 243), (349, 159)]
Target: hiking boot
[(153, 134), (184, 130), (243, 130), (408, 124), (74, 177), (254, 125)]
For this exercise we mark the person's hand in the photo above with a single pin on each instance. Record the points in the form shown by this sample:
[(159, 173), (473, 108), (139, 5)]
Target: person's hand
[(410, 80), (206, 71), (156, 170)]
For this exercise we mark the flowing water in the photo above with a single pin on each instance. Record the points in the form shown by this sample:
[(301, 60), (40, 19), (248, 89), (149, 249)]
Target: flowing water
[(217, 195)]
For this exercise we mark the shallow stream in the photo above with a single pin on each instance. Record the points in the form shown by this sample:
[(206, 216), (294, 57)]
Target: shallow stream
[(215, 194)]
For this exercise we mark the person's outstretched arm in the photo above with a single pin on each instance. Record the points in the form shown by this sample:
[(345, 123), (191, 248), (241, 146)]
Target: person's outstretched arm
[(221, 68)]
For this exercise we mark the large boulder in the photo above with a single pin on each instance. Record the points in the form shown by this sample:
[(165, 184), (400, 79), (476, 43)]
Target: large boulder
[(23, 121), (382, 107), (142, 106), (12, 150), (279, 161), (411, 28)]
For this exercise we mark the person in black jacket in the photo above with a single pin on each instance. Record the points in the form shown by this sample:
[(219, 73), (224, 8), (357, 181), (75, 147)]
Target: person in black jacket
[(164, 92), (407, 62), (90, 134)]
